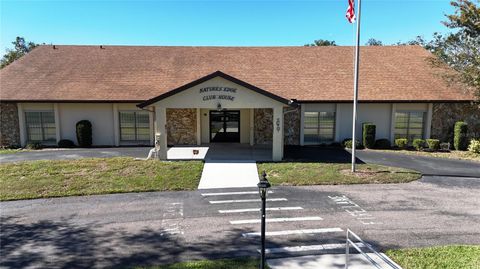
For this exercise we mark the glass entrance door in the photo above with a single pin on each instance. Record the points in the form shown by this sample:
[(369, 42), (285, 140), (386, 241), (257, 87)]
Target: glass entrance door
[(225, 126)]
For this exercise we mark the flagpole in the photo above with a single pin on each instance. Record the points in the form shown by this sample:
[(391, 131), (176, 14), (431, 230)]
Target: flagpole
[(355, 86)]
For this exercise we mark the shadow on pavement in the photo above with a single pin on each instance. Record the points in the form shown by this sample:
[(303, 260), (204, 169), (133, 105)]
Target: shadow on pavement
[(61, 244), (319, 154)]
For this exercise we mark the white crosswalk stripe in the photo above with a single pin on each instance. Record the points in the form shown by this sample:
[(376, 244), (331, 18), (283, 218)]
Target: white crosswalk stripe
[(249, 221), (231, 193), (246, 201), (258, 209), (290, 232), (307, 248)]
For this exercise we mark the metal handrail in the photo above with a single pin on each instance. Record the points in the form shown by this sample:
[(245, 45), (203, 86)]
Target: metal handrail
[(373, 262)]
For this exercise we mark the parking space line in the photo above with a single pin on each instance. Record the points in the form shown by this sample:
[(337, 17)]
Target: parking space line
[(258, 209), (289, 232), (231, 193), (246, 201), (249, 221)]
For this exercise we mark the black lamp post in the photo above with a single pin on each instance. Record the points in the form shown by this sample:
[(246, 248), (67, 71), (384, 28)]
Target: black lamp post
[(263, 185)]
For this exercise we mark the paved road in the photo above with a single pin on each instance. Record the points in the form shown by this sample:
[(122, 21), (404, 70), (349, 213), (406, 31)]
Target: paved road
[(162, 227)]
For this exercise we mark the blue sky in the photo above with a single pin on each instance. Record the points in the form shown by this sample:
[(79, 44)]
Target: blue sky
[(221, 23)]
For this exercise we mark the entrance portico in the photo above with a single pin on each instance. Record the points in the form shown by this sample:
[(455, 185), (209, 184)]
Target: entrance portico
[(217, 109)]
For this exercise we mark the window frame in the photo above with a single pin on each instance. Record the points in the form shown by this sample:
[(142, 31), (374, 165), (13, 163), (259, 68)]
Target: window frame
[(135, 127), (42, 127), (319, 128), (408, 128)]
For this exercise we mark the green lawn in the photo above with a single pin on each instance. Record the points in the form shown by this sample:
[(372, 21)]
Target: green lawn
[(304, 173), (447, 257), (39, 179), (10, 151), (211, 264)]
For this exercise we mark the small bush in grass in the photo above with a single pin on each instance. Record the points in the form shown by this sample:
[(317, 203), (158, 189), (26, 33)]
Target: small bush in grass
[(65, 143), (401, 143), (460, 140), (433, 144), (34, 145), (445, 146), (418, 144), (84, 133), (368, 132), (474, 146), (383, 144), (347, 143)]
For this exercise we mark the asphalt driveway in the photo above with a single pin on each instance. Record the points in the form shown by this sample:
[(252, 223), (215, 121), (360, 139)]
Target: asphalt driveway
[(428, 166), (75, 153)]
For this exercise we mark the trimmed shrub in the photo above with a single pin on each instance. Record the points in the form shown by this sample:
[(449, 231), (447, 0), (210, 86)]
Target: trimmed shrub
[(368, 132), (474, 146), (347, 143), (460, 140), (65, 143), (34, 145), (418, 144), (433, 144), (84, 133), (445, 146), (383, 144), (401, 143)]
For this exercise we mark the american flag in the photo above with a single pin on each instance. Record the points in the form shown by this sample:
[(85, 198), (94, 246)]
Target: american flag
[(351, 11)]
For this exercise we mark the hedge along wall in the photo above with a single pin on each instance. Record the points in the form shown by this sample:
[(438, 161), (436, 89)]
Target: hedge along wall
[(9, 128), (445, 115)]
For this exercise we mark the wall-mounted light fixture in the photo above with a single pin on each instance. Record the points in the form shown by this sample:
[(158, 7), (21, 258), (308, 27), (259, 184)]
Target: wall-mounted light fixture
[(219, 107)]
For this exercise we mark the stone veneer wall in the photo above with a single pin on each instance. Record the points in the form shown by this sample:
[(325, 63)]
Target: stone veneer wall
[(445, 115), (263, 125), (291, 126), (9, 128), (181, 126)]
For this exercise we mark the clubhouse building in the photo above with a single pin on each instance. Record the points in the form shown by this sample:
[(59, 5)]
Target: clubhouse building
[(269, 96)]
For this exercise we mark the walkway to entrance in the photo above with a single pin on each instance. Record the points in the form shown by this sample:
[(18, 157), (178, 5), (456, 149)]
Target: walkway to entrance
[(221, 151), (228, 174)]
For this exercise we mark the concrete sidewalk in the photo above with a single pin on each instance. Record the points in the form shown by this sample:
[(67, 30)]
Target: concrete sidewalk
[(328, 261), (228, 174)]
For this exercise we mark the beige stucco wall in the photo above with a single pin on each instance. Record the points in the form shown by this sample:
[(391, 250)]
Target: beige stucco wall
[(103, 116), (100, 115), (380, 114)]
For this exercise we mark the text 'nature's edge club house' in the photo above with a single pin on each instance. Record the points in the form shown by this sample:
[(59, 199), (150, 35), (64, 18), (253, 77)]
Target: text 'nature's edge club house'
[(273, 96)]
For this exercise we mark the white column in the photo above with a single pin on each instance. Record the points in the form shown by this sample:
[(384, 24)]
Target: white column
[(21, 125), (56, 113), (252, 125), (161, 131), (116, 125), (151, 118), (199, 130), (392, 124), (277, 139), (428, 124), (337, 124), (302, 124)]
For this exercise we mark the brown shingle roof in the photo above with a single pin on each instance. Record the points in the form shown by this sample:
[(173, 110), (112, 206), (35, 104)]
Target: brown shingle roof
[(138, 73)]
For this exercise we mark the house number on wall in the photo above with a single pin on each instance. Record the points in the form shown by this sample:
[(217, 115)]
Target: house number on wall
[(218, 93)]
